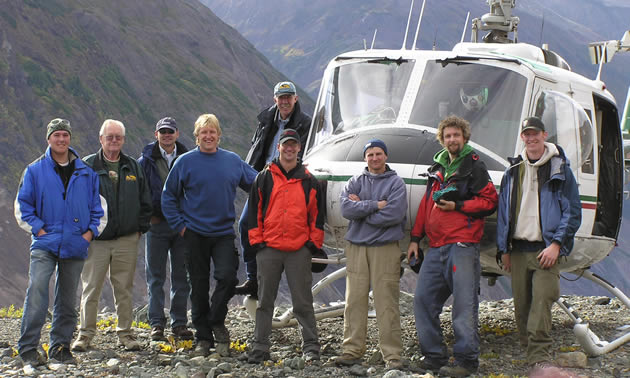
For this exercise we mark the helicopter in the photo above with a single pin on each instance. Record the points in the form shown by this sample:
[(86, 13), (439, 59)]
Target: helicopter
[(494, 82)]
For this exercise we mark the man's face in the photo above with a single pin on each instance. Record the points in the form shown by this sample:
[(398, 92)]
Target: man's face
[(375, 158), (289, 150), (286, 103), (453, 140), (534, 141), (112, 139), (59, 141), (208, 139), (166, 137)]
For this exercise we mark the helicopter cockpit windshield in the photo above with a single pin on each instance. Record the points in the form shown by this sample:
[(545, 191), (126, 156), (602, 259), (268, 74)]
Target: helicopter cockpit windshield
[(489, 97), (359, 94)]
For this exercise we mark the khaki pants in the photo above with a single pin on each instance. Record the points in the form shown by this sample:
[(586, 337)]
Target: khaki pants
[(119, 257), (534, 290), (378, 267)]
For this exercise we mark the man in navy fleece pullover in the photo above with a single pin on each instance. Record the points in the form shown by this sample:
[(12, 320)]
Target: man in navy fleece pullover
[(198, 202)]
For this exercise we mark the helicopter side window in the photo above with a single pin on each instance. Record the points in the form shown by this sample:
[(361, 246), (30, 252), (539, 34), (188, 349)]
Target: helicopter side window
[(489, 97), (561, 116)]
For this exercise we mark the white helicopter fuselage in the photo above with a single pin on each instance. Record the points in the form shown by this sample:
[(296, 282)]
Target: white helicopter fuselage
[(400, 96)]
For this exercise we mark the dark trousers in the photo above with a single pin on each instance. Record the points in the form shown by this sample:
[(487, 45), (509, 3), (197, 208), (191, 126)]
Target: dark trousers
[(206, 311), (249, 253)]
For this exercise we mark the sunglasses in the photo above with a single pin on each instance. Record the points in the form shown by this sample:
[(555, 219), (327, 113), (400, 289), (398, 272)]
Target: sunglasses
[(166, 131), (57, 121)]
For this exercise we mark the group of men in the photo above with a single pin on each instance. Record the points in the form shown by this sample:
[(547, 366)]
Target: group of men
[(86, 218)]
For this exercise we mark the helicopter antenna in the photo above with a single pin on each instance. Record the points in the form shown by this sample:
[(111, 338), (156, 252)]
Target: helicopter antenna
[(418, 27), (465, 25), (434, 38), (373, 39), (407, 28), (364, 44), (542, 27)]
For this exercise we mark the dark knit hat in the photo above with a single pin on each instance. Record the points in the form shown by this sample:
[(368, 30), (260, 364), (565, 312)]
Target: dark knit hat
[(375, 143), (56, 125), (532, 123)]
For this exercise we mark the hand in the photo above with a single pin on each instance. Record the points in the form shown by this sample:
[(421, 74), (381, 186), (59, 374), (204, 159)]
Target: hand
[(549, 256), (381, 204), (412, 250), (353, 197), (41, 232), (507, 263), (155, 220), (445, 205), (88, 236), (183, 231)]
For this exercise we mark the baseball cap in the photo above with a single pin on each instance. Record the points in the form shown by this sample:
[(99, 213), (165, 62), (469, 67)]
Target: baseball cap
[(284, 87), (166, 123), (289, 134), (532, 123)]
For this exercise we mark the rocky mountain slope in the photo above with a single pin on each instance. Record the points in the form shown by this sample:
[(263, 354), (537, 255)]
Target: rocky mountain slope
[(133, 60)]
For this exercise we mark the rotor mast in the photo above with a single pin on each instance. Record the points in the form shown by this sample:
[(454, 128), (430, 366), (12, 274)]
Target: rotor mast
[(499, 22)]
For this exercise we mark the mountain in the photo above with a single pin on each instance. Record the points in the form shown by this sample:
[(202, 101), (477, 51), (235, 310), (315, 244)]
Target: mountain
[(300, 37), (132, 60)]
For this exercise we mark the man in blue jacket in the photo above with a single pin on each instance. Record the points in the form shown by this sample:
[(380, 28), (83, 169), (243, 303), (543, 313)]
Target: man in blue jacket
[(198, 203), (375, 203), (539, 214), (162, 241), (58, 202)]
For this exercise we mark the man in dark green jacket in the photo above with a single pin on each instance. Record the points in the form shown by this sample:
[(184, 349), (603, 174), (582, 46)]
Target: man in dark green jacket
[(115, 250)]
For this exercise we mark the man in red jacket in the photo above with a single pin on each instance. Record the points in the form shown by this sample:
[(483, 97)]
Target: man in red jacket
[(286, 225), (451, 214)]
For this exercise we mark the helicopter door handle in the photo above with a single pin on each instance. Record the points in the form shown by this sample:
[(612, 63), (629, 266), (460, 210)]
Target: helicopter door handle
[(325, 170)]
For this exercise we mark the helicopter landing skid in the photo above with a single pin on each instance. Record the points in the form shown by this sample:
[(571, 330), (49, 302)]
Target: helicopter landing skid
[(591, 343)]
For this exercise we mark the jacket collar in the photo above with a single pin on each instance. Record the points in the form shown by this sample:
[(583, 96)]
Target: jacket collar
[(98, 160), (152, 150)]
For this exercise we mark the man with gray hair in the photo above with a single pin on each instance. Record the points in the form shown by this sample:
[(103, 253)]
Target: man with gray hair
[(123, 184)]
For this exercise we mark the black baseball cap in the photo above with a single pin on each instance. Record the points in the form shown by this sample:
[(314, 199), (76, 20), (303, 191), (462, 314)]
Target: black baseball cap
[(289, 134), (532, 123)]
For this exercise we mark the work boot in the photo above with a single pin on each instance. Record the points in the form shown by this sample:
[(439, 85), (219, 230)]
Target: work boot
[(249, 287), (128, 342), (257, 356), (347, 359), (202, 348), (81, 344), (457, 370), (61, 354), (157, 333), (182, 332), (32, 357)]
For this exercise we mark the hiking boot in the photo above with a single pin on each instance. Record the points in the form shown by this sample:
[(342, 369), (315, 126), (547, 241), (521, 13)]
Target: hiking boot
[(221, 334), (128, 342), (61, 354), (427, 364), (249, 287), (457, 370), (257, 356), (182, 332), (157, 333), (347, 359), (310, 356), (81, 344), (202, 348), (394, 365), (32, 357)]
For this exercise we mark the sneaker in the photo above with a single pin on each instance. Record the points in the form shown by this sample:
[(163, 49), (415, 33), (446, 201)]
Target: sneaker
[(221, 334), (81, 344), (32, 357), (182, 332), (202, 348), (128, 342), (249, 287), (257, 356), (310, 356), (157, 333), (457, 370), (347, 359), (61, 354), (394, 365)]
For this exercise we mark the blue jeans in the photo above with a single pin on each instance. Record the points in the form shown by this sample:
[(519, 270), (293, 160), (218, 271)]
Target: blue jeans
[(249, 254), (68, 274), (450, 269), (162, 242), (208, 312)]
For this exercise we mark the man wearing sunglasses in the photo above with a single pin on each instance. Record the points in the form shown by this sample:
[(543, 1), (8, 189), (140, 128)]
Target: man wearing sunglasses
[(162, 241), (115, 251)]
